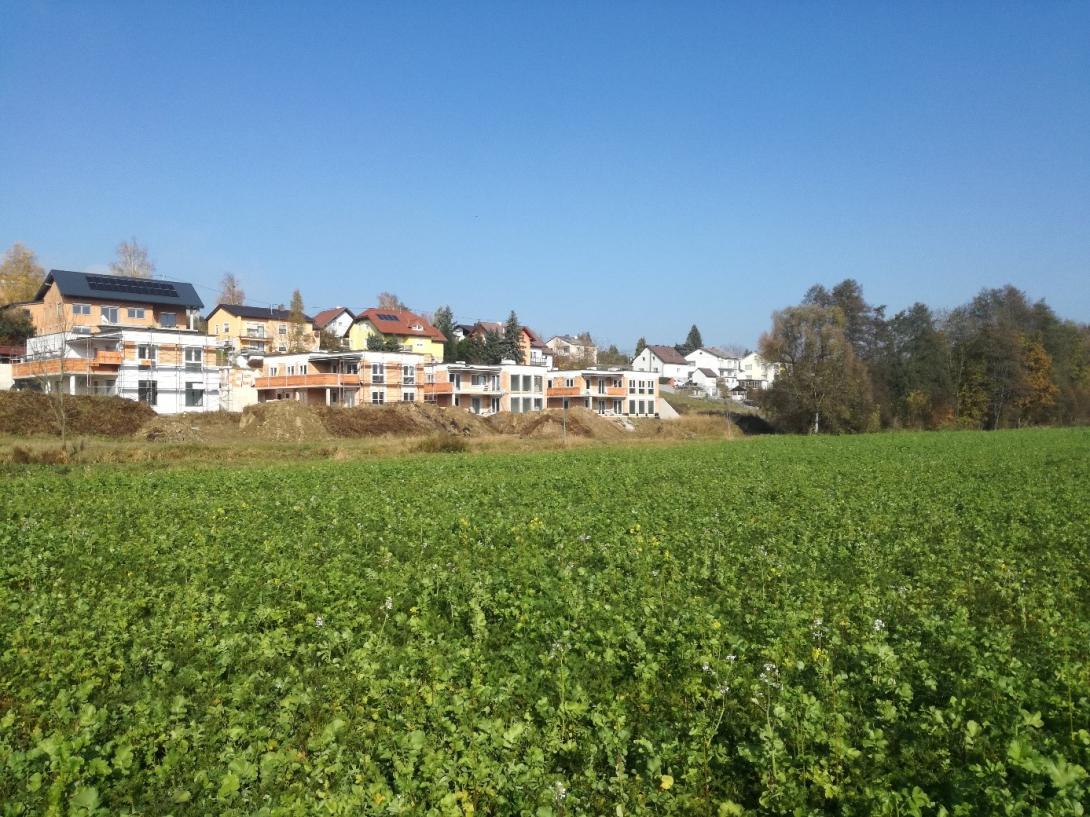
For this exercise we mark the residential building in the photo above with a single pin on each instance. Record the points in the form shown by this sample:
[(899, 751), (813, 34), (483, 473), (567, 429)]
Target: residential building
[(343, 378), (259, 329), (756, 372), (574, 349), (172, 370), (335, 322), (522, 387), (665, 361), (415, 334), (533, 350), (477, 388), (605, 391), (708, 357), (707, 380), (82, 303)]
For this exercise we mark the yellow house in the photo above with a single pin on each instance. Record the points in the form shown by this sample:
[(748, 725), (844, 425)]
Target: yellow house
[(258, 329), (413, 332)]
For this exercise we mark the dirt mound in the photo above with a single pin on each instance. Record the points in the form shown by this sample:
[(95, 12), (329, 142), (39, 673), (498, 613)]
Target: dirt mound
[(282, 421), (686, 427), (400, 419), (191, 427), (550, 423), (27, 413)]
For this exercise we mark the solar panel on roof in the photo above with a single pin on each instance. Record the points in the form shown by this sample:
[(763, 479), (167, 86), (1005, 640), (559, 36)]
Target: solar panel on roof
[(135, 286), (386, 316)]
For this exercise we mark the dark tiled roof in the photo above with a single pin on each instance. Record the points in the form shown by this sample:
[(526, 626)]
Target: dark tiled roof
[(708, 373), (400, 323), (668, 354), (257, 313), (121, 289), (535, 338)]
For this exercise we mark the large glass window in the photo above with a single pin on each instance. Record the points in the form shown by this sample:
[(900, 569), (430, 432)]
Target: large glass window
[(194, 395), (194, 358), (109, 313), (81, 309), (147, 392), (146, 351)]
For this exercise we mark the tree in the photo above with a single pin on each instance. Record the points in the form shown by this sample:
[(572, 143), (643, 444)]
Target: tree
[(511, 344), (132, 261), (298, 333), (230, 290), (492, 347), (822, 381), (15, 325), (20, 275), (641, 344), (1038, 392), (693, 341), (383, 343), (444, 322), (388, 300)]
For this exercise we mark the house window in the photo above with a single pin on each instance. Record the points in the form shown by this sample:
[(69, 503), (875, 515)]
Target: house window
[(136, 312), (527, 403), (408, 396), (227, 329), (147, 391), (273, 370), (537, 383), (408, 375), (378, 375), (642, 407), (194, 358), (537, 404), (349, 399), (281, 348), (457, 382), (569, 383), (650, 406), (81, 309), (109, 314), (527, 382), (631, 406), (495, 404), (302, 368), (631, 386), (146, 351), (378, 398), (282, 329), (194, 394), (476, 380), (168, 320)]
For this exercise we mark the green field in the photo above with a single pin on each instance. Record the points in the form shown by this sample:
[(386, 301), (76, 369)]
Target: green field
[(893, 624)]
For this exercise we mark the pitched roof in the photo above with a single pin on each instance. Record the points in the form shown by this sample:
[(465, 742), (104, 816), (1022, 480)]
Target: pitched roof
[(121, 289), (400, 323), (488, 326), (535, 338), (708, 372), (714, 350), (327, 316), (668, 354), (257, 313)]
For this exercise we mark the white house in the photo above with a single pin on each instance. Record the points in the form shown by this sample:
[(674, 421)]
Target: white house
[(666, 361), (573, 348), (707, 380), (335, 322), (756, 371), (708, 357)]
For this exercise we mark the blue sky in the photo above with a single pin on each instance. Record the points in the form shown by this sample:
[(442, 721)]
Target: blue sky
[(629, 168)]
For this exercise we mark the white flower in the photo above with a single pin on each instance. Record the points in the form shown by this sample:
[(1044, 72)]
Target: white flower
[(771, 676), (705, 667), (879, 625), (319, 622), (388, 604), (732, 658), (560, 791), (723, 690)]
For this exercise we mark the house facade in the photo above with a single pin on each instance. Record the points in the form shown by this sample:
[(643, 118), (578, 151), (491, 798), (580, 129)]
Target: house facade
[(414, 333), (605, 391), (258, 329), (664, 361), (756, 372), (344, 379), (574, 349)]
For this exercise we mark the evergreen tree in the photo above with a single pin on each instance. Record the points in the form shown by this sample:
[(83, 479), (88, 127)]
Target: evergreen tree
[(444, 322), (297, 318), (511, 347), (641, 344), (693, 341)]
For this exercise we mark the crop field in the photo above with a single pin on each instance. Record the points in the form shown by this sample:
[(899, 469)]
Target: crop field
[(894, 624)]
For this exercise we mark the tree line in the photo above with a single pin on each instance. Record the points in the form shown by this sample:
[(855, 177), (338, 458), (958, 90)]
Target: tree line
[(999, 361)]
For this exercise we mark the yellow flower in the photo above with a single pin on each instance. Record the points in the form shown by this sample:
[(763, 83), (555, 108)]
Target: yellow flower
[(665, 782)]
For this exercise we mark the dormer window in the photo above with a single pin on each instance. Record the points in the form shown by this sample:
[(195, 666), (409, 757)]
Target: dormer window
[(417, 327)]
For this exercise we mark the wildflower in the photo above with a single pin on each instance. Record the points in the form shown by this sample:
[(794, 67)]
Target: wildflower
[(817, 627), (665, 782), (732, 658), (879, 625), (705, 667), (319, 622), (585, 537), (388, 604), (770, 676), (560, 791), (723, 690)]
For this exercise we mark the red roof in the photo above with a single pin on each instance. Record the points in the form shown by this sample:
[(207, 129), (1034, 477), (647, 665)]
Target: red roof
[(327, 316), (401, 323), (535, 339)]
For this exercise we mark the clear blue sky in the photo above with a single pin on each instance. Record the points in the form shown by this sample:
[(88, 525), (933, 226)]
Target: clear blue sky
[(628, 168)]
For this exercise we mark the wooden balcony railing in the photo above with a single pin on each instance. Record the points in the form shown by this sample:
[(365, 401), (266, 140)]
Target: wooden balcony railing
[(315, 380)]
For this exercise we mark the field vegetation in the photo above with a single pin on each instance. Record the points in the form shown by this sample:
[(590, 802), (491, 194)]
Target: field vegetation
[(893, 624)]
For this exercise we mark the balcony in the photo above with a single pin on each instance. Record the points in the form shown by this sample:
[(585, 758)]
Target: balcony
[(564, 391), (438, 388), (55, 366), (310, 381), (103, 358)]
